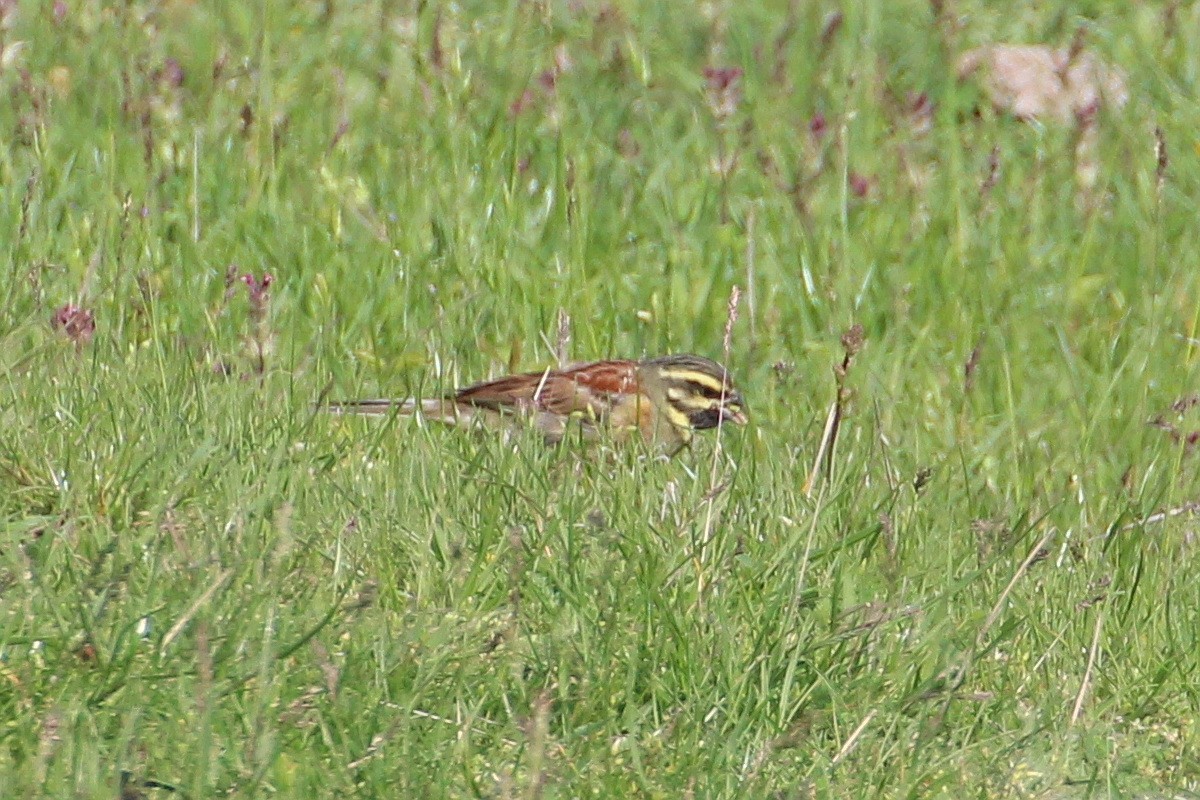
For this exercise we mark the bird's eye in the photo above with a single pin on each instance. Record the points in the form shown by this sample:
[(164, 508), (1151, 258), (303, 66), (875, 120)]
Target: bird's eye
[(708, 390)]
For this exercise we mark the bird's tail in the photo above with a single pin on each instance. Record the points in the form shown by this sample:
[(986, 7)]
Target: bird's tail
[(438, 410), (378, 406)]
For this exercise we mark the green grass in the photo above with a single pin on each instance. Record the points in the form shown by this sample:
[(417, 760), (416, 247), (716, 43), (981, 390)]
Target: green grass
[(207, 583)]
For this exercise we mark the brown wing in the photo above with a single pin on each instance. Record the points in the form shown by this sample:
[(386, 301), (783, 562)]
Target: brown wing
[(587, 389)]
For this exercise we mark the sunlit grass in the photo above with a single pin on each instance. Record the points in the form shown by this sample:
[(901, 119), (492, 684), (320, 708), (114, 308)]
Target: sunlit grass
[(206, 582)]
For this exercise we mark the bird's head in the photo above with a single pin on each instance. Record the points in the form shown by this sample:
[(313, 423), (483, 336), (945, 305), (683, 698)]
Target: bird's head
[(697, 392)]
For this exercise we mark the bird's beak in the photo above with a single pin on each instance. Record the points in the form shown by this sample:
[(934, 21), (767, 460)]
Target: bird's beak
[(736, 415)]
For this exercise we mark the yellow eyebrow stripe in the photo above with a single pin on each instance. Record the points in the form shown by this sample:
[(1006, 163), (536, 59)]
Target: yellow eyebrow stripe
[(700, 378)]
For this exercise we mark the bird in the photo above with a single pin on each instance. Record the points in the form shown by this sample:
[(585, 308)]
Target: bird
[(662, 400)]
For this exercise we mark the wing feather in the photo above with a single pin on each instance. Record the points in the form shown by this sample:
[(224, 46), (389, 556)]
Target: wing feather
[(587, 389)]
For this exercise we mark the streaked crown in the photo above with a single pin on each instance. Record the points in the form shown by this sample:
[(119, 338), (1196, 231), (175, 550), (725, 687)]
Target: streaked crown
[(698, 391)]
